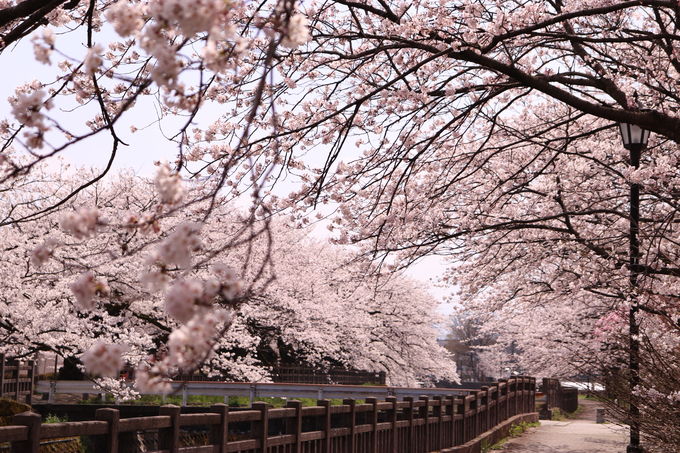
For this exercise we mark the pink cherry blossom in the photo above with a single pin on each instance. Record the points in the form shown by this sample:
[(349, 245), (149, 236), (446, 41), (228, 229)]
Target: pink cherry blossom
[(84, 289), (297, 31), (42, 253), (80, 224), (104, 359), (168, 185), (182, 298)]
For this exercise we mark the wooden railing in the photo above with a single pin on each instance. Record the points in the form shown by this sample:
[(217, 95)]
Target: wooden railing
[(16, 379), (557, 395), (391, 426)]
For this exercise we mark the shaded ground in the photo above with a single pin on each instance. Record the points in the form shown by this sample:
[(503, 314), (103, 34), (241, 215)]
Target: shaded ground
[(580, 435)]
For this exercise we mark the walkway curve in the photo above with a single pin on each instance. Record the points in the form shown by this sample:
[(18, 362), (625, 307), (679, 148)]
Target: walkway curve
[(580, 435)]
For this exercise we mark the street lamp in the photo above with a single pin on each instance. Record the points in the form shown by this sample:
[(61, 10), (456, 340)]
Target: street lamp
[(634, 140), (633, 136)]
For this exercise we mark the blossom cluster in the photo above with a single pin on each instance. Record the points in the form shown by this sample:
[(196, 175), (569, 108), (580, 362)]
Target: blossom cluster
[(177, 248), (43, 46), (93, 59), (126, 17), (168, 185), (85, 288), (186, 297), (192, 343), (104, 359), (81, 224), (296, 31), (153, 378), (26, 108), (42, 253)]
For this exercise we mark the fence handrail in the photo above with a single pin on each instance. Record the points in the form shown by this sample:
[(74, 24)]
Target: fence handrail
[(413, 425), (263, 389), (298, 374)]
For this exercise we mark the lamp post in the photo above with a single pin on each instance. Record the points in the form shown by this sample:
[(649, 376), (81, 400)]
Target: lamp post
[(634, 140)]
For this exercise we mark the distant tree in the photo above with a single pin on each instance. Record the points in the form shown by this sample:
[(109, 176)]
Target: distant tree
[(466, 341), (106, 298)]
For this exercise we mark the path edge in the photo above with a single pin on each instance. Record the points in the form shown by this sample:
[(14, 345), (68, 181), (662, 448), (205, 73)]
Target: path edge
[(493, 435)]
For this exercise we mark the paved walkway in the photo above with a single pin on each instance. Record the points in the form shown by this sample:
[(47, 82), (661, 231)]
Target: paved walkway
[(581, 435)]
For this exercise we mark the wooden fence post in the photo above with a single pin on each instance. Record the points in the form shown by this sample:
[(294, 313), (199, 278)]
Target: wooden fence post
[(502, 385), (496, 394), (439, 413), (326, 404), (424, 413), (374, 424), (526, 388), (219, 434), (168, 438), (474, 404), (481, 410), (487, 408), (409, 416), (2, 375), (296, 424), (31, 377), (32, 443), (466, 420), (451, 410), (17, 374), (108, 443), (351, 423), (393, 421), (263, 425)]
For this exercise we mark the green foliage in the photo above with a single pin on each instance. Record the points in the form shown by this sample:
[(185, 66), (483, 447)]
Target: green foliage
[(559, 416), (53, 418), (497, 446), (516, 430)]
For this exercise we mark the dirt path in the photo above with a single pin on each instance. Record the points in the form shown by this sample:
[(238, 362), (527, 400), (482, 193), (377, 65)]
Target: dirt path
[(581, 435)]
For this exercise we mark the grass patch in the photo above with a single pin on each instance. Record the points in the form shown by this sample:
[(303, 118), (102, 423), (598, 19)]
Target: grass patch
[(52, 418), (516, 430), (593, 397), (560, 416), (497, 446)]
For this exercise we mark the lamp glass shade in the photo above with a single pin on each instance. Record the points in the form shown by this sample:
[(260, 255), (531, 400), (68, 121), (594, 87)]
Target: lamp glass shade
[(632, 134)]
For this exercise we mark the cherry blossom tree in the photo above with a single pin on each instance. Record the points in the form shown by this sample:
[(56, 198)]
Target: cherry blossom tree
[(76, 284)]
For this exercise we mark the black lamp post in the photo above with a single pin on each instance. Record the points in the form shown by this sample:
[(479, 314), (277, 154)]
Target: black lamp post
[(634, 140)]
